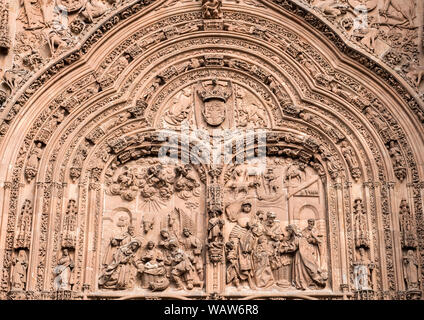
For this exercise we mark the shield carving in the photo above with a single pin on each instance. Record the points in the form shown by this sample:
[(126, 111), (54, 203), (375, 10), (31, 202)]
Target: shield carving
[(214, 112)]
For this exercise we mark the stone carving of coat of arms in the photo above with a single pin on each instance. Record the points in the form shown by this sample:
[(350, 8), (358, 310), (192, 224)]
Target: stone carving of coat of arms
[(214, 98)]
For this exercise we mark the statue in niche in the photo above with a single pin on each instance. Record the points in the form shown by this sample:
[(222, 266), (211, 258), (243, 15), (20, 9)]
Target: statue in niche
[(23, 237), (118, 241), (261, 261), (410, 271), (18, 278), (362, 271), (152, 269), (32, 14), (119, 274), (193, 248), (395, 154), (306, 264), (212, 9), (32, 163), (408, 236), (349, 154), (361, 229), (63, 271), (215, 224), (275, 235)]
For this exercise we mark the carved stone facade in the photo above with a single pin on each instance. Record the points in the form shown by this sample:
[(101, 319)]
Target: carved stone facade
[(222, 148)]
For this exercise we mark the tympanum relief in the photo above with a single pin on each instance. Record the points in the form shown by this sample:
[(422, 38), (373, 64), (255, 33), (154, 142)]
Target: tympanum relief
[(319, 190)]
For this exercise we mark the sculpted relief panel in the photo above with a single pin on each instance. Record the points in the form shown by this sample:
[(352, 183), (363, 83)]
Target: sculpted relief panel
[(210, 153)]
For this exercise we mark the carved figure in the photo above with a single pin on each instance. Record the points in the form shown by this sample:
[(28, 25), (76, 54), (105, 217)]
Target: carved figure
[(306, 264), (193, 249), (182, 269), (212, 9), (180, 108), (215, 224), (361, 231), (33, 14), (407, 227), (262, 270), (362, 271), (118, 241), (32, 164), (410, 271), (152, 269), (18, 278), (92, 9), (23, 236), (332, 8), (119, 274), (63, 271)]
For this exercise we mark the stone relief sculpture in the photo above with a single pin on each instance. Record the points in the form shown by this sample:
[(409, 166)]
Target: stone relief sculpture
[(408, 237), (212, 9), (33, 14), (19, 271), (361, 225), (32, 164), (63, 272), (120, 274), (410, 271), (110, 216), (23, 236), (362, 271)]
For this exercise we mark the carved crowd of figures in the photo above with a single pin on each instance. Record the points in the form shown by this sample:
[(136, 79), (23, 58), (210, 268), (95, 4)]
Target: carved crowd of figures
[(259, 254), (175, 260)]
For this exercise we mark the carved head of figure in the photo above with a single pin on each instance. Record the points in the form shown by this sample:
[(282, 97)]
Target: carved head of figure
[(133, 246), (22, 256), (260, 215), (65, 252), (410, 254), (311, 223), (291, 230), (150, 245), (131, 231), (270, 218), (246, 206), (186, 232)]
